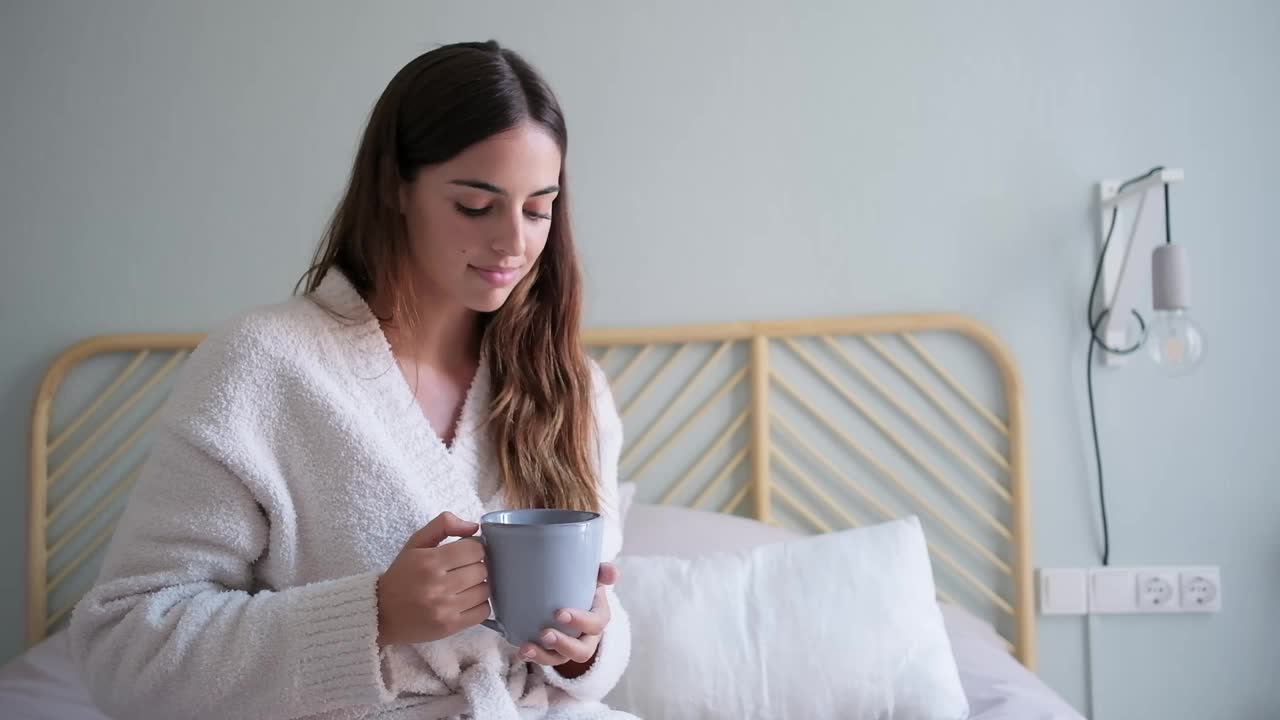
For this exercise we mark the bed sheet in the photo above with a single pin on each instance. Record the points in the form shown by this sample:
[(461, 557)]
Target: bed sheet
[(44, 683), (997, 686)]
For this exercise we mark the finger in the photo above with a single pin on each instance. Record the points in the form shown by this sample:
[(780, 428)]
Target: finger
[(467, 576), (608, 574), (475, 615), (461, 553), (588, 623), (600, 604), (533, 653), (472, 597), (576, 649), (444, 525), (600, 601)]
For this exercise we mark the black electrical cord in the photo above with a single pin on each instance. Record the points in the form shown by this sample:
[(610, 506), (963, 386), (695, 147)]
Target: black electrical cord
[(1094, 323)]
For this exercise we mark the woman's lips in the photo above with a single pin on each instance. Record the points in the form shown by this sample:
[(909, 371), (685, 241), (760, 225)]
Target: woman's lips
[(497, 275)]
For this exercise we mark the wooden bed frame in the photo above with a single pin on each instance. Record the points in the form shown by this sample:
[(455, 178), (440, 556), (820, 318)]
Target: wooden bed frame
[(822, 423)]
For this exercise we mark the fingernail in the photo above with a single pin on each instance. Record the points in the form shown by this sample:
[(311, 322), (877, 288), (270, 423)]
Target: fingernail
[(564, 616), (548, 637), (528, 654)]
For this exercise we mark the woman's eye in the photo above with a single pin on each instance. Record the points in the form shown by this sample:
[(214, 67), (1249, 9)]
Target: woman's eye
[(471, 211), (534, 215)]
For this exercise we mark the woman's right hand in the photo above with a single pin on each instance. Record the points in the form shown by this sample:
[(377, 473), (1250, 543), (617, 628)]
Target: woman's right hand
[(431, 592)]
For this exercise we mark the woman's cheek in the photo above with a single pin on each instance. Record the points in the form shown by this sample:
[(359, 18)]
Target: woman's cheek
[(536, 248)]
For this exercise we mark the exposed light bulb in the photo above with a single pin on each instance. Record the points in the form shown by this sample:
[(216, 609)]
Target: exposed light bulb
[(1173, 338), (1175, 342)]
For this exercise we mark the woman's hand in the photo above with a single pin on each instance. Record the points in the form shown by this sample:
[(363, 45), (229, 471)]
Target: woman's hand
[(431, 592), (574, 655)]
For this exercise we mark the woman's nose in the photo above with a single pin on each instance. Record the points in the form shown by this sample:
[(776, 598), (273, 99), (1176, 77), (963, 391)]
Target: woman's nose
[(510, 240)]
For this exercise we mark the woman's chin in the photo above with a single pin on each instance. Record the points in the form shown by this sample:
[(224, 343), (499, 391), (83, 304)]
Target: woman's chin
[(489, 302)]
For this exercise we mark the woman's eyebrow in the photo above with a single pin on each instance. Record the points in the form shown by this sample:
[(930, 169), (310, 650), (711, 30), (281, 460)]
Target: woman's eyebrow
[(490, 187)]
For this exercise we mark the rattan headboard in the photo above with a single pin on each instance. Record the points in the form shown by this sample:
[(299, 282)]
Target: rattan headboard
[(821, 424)]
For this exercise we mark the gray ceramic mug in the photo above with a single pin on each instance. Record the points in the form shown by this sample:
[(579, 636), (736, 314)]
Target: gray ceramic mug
[(539, 562)]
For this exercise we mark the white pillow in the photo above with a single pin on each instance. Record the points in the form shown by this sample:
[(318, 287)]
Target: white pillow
[(843, 625)]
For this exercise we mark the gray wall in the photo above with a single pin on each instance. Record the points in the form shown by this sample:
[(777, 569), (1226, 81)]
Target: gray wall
[(165, 164)]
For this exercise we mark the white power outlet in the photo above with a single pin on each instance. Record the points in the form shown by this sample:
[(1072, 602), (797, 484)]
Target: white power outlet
[(1126, 590), (1157, 591), (1201, 590)]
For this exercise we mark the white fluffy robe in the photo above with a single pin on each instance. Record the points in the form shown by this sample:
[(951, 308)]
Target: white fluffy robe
[(289, 468)]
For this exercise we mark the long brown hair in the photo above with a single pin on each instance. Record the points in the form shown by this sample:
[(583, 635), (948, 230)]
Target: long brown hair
[(540, 420)]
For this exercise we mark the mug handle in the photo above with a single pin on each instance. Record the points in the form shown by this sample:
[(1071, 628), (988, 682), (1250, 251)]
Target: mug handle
[(493, 625)]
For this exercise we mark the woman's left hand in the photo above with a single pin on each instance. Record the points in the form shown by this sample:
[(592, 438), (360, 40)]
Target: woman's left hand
[(561, 650)]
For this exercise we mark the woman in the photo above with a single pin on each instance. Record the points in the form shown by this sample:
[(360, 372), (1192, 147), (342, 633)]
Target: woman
[(285, 552)]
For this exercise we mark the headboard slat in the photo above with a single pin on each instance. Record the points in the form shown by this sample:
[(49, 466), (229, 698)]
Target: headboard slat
[(934, 399)]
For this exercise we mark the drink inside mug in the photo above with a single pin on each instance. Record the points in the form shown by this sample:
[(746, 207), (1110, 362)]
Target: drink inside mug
[(538, 516), (540, 561)]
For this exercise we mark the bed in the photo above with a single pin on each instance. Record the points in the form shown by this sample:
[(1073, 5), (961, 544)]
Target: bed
[(738, 435)]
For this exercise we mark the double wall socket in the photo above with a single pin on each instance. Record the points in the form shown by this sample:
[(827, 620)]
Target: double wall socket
[(1112, 590)]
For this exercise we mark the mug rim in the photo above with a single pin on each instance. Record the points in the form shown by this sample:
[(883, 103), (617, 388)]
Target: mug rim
[(591, 515)]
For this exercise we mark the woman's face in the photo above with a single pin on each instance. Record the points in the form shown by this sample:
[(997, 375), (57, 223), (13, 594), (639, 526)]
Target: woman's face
[(478, 222)]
